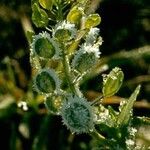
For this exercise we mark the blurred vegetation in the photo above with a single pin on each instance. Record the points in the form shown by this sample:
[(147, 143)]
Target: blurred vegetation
[(24, 122)]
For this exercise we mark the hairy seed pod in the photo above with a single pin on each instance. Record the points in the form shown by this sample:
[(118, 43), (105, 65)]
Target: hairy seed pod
[(44, 46), (92, 21), (39, 16), (64, 31), (83, 62), (77, 115), (46, 81), (112, 82), (62, 34), (85, 57)]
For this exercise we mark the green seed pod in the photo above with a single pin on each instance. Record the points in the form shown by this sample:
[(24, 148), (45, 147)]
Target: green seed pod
[(46, 81), (83, 61), (75, 15), (92, 21), (64, 31), (112, 82), (53, 104), (62, 34), (77, 115), (44, 46), (85, 58)]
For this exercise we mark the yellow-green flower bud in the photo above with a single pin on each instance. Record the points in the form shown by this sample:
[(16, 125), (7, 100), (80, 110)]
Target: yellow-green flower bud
[(112, 82), (92, 21), (75, 15), (47, 4)]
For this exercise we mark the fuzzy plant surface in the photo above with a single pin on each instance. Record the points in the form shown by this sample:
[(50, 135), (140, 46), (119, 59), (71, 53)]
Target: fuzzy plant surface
[(62, 54)]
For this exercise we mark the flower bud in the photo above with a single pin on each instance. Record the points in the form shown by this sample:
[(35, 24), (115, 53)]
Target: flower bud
[(47, 4), (77, 114), (92, 21), (112, 82), (75, 15)]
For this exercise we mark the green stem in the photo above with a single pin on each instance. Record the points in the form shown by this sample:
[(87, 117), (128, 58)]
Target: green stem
[(67, 71), (98, 136), (98, 100)]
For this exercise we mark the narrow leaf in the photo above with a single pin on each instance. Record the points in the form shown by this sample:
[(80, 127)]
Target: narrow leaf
[(126, 110)]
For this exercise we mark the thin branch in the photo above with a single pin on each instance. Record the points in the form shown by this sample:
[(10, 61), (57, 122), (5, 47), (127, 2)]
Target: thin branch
[(134, 54)]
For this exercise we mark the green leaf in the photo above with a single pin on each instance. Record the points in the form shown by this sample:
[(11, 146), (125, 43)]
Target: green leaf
[(126, 111), (39, 16), (112, 82), (46, 4)]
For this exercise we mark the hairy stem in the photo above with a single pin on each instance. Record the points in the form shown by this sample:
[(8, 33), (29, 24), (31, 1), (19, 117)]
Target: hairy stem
[(67, 71)]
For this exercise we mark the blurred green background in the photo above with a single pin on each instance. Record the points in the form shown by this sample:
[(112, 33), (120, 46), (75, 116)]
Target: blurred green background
[(125, 29)]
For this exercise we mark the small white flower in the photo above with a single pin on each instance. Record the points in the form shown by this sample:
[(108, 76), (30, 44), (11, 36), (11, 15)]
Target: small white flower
[(130, 142), (132, 131), (23, 105)]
